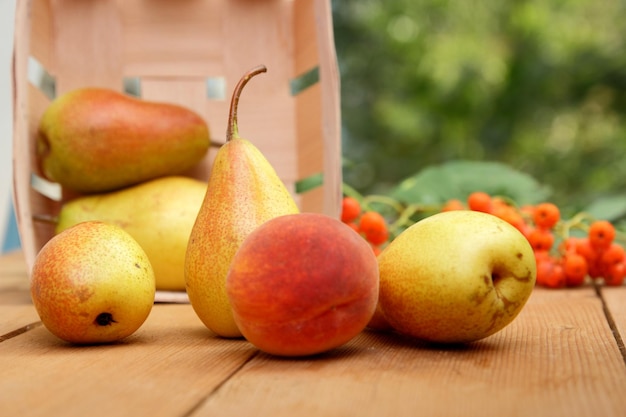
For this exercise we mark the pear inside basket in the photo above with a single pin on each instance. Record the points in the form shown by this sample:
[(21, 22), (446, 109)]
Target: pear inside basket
[(189, 54)]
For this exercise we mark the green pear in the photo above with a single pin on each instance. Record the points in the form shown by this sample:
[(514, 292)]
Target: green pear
[(158, 214), (243, 192), (96, 140), (92, 284)]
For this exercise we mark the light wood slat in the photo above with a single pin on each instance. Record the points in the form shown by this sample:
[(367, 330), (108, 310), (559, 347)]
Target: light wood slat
[(15, 318), (615, 299), (331, 110), (14, 285), (14, 291), (87, 43), (12, 266), (557, 359), (172, 40), (306, 50), (311, 152), (165, 369)]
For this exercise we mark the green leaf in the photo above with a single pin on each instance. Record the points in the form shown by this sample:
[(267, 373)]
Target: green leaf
[(610, 208), (457, 179), (309, 183)]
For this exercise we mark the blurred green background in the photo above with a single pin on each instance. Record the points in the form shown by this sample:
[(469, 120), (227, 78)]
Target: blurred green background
[(536, 85)]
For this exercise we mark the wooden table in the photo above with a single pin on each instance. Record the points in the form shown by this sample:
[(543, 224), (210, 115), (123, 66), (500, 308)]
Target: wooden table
[(563, 356)]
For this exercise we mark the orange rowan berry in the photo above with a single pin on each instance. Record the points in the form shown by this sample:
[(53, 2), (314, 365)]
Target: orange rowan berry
[(541, 239), (453, 204), (575, 269), (354, 227), (583, 247), (614, 276), (546, 215), (501, 210), (601, 234), (480, 201), (553, 274), (378, 237), (373, 225), (542, 255), (377, 249), (510, 215), (614, 254), (569, 244), (544, 269), (350, 209)]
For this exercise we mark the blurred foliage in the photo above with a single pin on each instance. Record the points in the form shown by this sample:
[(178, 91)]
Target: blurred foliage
[(439, 183), (538, 85)]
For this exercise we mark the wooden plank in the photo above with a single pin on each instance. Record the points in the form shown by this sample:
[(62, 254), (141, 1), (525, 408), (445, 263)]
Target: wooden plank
[(304, 27), (331, 109), (14, 284), (12, 265), (82, 56), (557, 358), (166, 368), (615, 299), (168, 39), (16, 319)]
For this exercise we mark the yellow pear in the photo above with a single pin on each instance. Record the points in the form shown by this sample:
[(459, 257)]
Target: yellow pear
[(96, 140), (243, 192), (158, 214), (92, 284), (456, 277)]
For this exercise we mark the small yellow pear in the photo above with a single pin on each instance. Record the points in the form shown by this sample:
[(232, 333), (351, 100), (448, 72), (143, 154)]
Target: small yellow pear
[(243, 192), (92, 283), (158, 214)]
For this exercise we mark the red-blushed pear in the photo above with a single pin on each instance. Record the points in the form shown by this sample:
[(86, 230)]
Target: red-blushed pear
[(92, 283), (243, 192), (95, 140), (456, 277), (302, 284)]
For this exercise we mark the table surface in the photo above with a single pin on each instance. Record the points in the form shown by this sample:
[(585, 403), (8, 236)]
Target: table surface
[(564, 355)]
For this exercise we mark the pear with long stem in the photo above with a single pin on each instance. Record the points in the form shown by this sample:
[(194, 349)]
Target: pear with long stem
[(243, 192)]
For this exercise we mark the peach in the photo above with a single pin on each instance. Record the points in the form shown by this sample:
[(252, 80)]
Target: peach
[(302, 284)]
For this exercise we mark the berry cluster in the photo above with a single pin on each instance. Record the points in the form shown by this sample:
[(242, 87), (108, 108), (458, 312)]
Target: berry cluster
[(368, 223), (562, 260)]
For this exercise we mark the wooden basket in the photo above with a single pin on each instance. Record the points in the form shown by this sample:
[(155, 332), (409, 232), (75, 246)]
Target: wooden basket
[(191, 53)]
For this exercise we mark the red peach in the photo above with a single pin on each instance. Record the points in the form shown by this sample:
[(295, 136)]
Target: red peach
[(302, 284)]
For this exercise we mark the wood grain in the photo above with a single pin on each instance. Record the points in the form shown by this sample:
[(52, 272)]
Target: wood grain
[(557, 358), (615, 299), (166, 368), (16, 319), (14, 284)]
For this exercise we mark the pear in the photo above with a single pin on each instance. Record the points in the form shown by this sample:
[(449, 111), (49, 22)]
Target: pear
[(158, 214), (243, 192), (456, 277), (92, 284), (96, 140)]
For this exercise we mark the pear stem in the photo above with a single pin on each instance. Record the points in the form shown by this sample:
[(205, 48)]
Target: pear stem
[(232, 129)]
